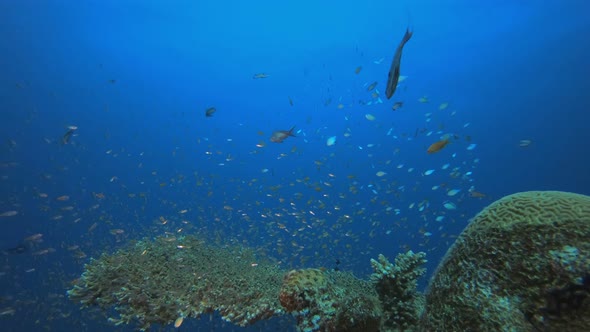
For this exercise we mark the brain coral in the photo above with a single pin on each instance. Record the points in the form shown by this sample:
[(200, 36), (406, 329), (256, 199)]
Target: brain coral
[(330, 301), (300, 286), (522, 264)]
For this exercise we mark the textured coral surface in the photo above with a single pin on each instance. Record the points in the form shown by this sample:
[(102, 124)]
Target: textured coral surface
[(158, 281), (513, 264), (522, 264)]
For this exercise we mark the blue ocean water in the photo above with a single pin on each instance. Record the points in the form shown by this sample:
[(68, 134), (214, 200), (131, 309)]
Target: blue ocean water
[(507, 81)]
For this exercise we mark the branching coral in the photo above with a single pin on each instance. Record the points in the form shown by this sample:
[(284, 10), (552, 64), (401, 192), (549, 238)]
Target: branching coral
[(396, 286)]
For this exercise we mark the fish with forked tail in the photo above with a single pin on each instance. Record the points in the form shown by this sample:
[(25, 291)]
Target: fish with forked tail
[(278, 136), (393, 76)]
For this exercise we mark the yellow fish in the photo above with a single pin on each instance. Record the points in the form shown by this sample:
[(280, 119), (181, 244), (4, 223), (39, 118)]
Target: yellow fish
[(437, 146)]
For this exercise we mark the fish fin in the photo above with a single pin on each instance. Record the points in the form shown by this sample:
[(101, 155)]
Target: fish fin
[(291, 131), (408, 34)]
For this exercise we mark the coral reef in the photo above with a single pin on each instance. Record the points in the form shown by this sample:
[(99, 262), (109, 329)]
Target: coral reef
[(158, 281), (521, 264), (396, 285), (330, 301), (300, 287), (166, 280)]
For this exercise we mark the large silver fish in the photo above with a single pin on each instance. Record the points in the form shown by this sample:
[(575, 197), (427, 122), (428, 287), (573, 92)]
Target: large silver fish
[(393, 76), (279, 136)]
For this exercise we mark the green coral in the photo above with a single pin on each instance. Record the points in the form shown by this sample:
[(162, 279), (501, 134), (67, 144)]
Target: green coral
[(159, 281), (396, 285), (500, 273), (523, 263), (330, 301), (338, 301), (569, 259)]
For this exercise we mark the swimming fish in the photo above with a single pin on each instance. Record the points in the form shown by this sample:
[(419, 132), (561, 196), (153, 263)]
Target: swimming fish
[(393, 76), (19, 249), (372, 86), (209, 112), (437, 146), (68, 135), (476, 194), (279, 136), (260, 75), (524, 143), (397, 105)]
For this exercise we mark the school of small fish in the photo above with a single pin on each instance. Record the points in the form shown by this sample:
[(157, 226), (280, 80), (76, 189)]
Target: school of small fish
[(365, 169)]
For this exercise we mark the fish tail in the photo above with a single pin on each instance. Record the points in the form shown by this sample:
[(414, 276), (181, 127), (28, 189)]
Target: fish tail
[(291, 131), (408, 35)]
